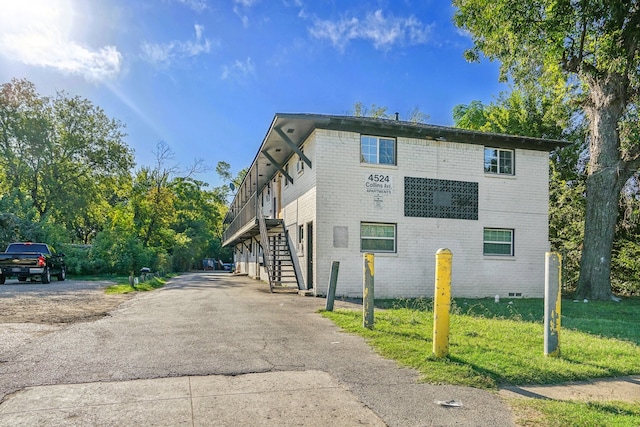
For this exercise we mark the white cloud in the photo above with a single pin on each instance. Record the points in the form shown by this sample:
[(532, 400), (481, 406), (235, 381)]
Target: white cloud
[(240, 7), (166, 53), (244, 18), (384, 32), (197, 5), (239, 71), (37, 32), (245, 3)]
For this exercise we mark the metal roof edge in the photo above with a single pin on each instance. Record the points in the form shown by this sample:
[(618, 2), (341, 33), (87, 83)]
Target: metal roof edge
[(390, 127)]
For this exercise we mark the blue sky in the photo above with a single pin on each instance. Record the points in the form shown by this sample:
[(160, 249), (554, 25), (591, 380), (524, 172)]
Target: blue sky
[(207, 76)]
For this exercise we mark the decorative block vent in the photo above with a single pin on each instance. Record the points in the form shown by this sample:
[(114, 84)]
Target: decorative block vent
[(440, 198)]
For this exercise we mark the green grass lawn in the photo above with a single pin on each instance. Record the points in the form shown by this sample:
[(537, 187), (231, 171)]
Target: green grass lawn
[(97, 277), (124, 287), (494, 344)]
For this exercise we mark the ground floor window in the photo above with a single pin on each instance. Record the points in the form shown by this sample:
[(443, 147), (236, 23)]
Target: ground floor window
[(377, 237), (498, 241)]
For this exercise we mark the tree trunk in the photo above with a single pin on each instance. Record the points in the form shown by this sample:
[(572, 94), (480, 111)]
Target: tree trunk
[(603, 193), (604, 183)]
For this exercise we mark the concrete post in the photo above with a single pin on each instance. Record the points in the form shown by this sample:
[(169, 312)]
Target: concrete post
[(442, 303), (552, 300), (333, 280), (367, 291)]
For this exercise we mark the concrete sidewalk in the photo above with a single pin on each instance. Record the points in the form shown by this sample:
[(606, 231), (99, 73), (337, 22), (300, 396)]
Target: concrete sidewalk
[(624, 389), (264, 399)]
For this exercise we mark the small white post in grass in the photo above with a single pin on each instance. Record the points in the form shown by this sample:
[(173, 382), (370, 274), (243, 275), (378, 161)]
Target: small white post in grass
[(552, 300)]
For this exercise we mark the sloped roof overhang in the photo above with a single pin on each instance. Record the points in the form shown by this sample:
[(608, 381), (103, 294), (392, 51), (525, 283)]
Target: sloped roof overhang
[(289, 131)]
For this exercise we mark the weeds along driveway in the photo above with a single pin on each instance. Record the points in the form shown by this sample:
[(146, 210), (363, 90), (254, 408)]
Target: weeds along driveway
[(213, 323)]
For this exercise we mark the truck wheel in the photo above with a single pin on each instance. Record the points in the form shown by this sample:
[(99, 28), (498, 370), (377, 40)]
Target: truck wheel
[(46, 276), (2, 279), (62, 275)]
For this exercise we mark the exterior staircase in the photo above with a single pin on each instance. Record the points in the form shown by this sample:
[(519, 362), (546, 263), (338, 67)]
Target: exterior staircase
[(279, 256)]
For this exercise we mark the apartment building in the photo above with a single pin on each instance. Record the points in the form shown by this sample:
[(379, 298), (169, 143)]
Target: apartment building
[(326, 188)]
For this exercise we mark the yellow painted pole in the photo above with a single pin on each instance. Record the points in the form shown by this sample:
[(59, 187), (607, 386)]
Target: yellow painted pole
[(367, 291), (442, 303)]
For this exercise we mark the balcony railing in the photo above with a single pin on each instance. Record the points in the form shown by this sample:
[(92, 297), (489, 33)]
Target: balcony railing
[(247, 215)]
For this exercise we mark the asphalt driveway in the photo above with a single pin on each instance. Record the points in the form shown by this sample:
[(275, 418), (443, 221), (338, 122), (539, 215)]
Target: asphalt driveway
[(208, 333)]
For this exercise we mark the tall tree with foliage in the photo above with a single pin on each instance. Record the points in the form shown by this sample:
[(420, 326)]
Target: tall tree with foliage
[(153, 202), (61, 156), (594, 44), (199, 215)]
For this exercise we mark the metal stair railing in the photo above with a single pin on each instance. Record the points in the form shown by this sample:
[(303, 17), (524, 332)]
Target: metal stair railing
[(266, 251), (295, 261), (281, 259), (283, 272)]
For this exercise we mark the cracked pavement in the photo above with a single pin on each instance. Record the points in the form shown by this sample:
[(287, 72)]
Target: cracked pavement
[(204, 324)]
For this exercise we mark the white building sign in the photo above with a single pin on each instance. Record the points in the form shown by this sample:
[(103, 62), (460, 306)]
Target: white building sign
[(378, 184)]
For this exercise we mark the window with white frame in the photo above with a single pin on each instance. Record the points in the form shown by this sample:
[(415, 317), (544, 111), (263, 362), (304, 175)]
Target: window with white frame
[(376, 237), (498, 241), (377, 150), (499, 161)]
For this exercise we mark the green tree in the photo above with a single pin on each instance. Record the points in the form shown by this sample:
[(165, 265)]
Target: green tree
[(418, 116), (199, 215), (375, 111), (62, 156), (90, 168), (379, 112), (153, 200), (230, 183), (471, 116), (594, 46), (118, 249)]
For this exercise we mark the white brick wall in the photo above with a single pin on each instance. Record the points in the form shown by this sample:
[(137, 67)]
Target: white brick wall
[(332, 193), (299, 202), (518, 202)]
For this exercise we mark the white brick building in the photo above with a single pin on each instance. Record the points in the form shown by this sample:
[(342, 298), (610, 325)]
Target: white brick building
[(342, 186)]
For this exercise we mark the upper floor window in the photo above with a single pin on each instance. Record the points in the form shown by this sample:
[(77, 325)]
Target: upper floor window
[(499, 161), (377, 150)]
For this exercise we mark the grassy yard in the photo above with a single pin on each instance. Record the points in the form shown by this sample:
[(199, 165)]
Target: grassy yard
[(123, 287), (495, 344)]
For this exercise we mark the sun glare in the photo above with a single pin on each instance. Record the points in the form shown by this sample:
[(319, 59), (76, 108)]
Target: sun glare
[(37, 16), (41, 33)]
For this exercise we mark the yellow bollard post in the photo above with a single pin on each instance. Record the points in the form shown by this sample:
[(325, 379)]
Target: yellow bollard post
[(442, 303), (367, 291)]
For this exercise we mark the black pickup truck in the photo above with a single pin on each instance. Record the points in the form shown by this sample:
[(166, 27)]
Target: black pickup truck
[(31, 260)]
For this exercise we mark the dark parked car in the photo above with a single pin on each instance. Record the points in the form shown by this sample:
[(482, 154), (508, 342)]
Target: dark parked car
[(31, 260)]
